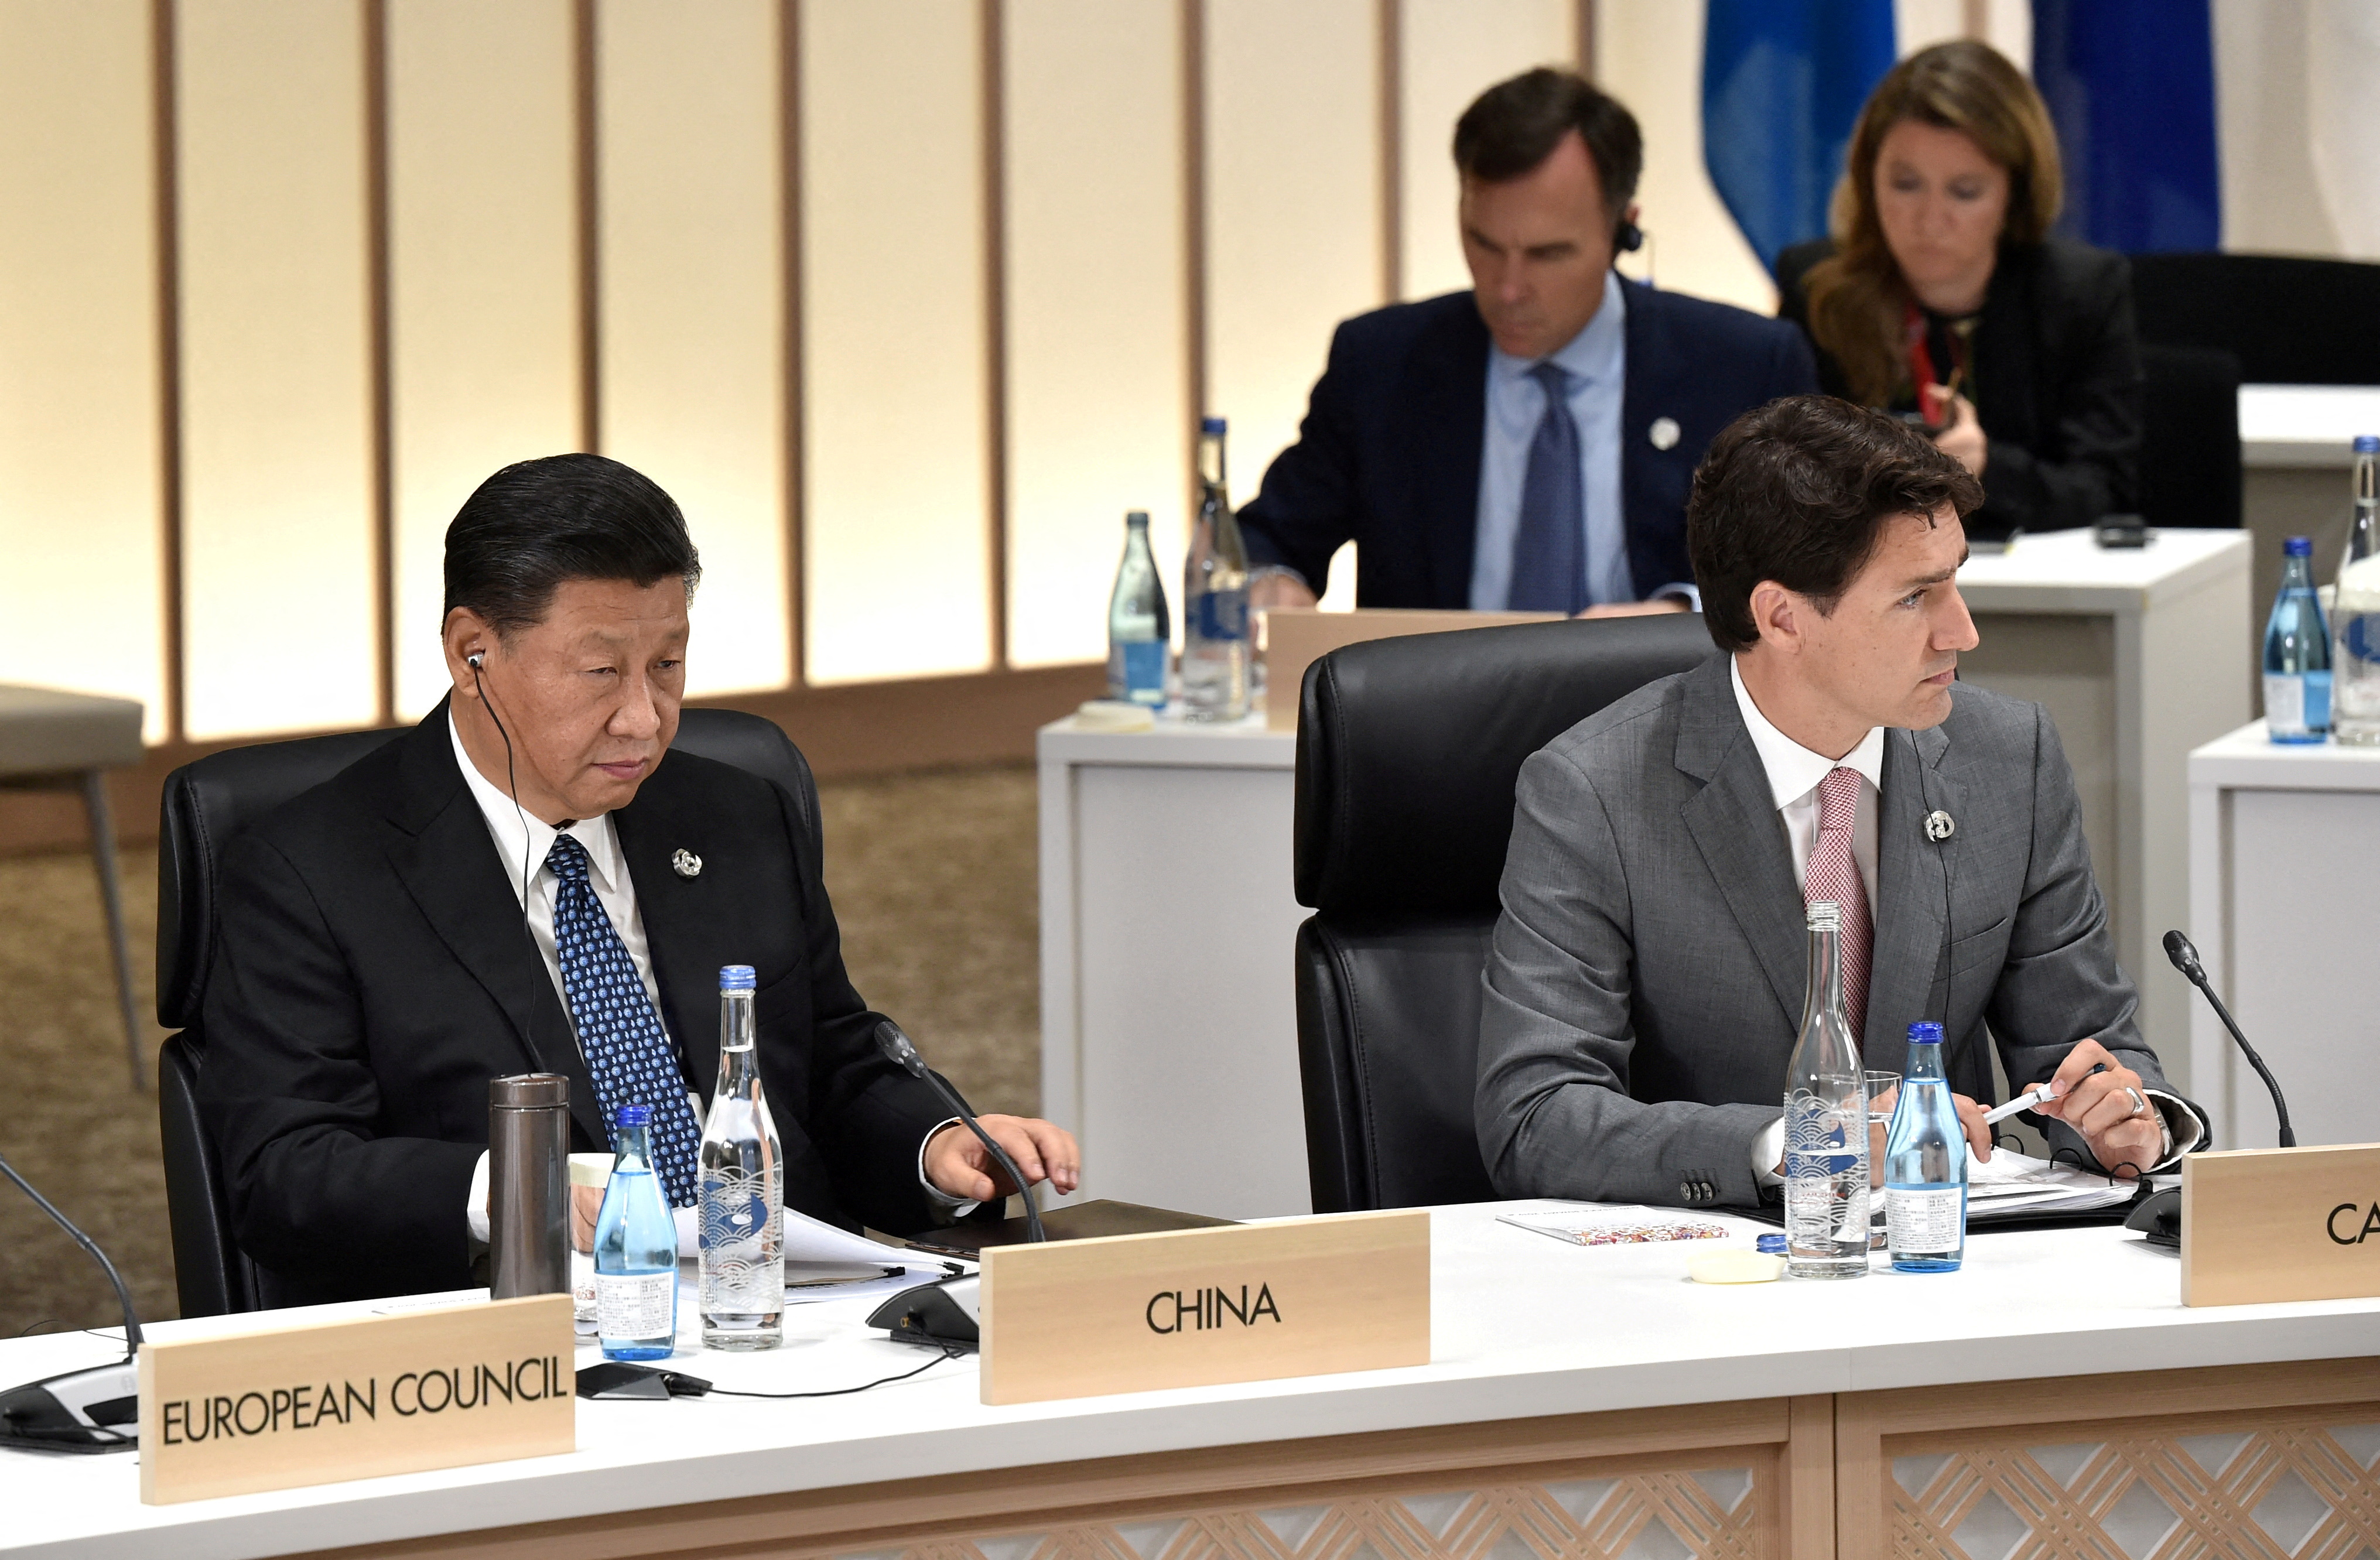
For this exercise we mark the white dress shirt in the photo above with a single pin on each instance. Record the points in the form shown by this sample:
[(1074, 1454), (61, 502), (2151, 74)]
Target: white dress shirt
[(522, 836), (1793, 773)]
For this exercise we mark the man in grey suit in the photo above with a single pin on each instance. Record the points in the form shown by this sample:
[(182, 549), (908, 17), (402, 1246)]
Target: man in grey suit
[(1646, 982)]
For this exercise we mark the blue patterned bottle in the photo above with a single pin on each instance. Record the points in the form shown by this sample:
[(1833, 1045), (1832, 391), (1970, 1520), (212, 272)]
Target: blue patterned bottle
[(1925, 1164), (636, 1250), (743, 1189), (1826, 1122), (2296, 653)]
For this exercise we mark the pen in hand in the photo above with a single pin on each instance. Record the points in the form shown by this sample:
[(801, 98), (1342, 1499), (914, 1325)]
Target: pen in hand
[(2031, 1097)]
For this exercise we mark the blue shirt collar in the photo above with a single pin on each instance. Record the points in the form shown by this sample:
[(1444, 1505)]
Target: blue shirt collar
[(1599, 353)]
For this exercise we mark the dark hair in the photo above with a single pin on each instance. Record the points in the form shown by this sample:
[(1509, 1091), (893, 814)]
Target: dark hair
[(1797, 492), (1515, 125), (538, 523)]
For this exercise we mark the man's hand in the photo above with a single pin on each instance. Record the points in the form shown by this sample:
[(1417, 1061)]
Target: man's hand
[(586, 1201), (2111, 1109), (1635, 609), (1264, 594), (956, 1161), (1970, 1121)]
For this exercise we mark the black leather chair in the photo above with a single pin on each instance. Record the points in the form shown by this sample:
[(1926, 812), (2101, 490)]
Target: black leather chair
[(2287, 319), (206, 804), (1407, 753), (2190, 436)]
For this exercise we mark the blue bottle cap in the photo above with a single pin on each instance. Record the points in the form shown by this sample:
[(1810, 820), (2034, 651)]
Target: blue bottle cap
[(1925, 1034), (1771, 1245), (2298, 547), (2367, 444), (735, 977), (633, 1116), (1211, 425)]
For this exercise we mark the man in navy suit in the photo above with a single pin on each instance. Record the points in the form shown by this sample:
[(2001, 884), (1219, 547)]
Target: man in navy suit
[(1528, 444)]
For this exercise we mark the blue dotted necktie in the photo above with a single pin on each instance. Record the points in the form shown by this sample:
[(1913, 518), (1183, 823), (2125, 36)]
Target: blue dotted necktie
[(627, 1051), (1550, 546)]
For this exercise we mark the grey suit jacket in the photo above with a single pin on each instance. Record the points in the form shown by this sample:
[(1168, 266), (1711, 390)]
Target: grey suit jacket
[(1646, 982)]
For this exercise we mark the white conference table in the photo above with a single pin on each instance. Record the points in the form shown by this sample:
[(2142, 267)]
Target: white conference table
[(2284, 865), (1578, 1395), (1168, 1027)]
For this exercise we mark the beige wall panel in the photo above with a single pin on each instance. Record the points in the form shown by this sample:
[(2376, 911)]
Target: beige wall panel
[(692, 305), (276, 371), (1099, 412), (1450, 52), (81, 596), (894, 407), (1293, 207), (1650, 58), (483, 278)]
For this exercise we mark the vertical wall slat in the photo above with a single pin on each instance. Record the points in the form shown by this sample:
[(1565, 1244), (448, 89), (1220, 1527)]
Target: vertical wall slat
[(1097, 369), (483, 279), (693, 294), (277, 366), (893, 341), (81, 485)]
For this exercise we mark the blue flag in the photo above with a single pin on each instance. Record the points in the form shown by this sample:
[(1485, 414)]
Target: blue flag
[(1783, 83), (2131, 84)]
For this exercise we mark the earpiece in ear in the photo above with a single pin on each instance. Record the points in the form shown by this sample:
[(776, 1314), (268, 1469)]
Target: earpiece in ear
[(1628, 236), (473, 661)]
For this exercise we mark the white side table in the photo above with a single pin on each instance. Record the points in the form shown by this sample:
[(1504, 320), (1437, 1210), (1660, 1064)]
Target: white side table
[(2284, 871)]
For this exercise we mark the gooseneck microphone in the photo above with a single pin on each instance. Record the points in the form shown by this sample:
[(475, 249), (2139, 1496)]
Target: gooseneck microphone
[(902, 1054), (77, 1411), (2185, 959)]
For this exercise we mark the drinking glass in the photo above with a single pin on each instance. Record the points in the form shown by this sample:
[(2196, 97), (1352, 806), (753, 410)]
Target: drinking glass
[(1883, 1090)]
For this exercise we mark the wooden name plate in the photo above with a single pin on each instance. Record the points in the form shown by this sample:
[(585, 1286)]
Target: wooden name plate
[(2280, 1224), (1201, 1307), (354, 1399)]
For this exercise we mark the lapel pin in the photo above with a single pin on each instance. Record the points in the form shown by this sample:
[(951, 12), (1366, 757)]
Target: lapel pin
[(1940, 826), (1664, 434), (685, 863)]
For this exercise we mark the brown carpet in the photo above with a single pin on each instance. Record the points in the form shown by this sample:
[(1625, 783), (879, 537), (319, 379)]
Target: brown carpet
[(933, 880)]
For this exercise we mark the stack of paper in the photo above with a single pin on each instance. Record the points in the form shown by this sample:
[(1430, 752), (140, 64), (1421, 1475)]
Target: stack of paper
[(2011, 1184)]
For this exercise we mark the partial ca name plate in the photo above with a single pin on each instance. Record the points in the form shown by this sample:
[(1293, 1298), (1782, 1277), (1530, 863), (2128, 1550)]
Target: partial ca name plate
[(1206, 1307), (275, 1409), (2280, 1224)]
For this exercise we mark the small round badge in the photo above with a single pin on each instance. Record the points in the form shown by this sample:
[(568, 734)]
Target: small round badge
[(1940, 826), (1664, 434), (685, 863)]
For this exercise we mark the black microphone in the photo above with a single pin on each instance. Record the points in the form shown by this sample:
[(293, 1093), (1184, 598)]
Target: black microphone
[(77, 1411), (902, 1054), (2185, 959)]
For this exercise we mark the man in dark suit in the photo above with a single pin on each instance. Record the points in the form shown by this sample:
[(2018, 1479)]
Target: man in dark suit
[(1527, 444), (1647, 979), (528, 881)]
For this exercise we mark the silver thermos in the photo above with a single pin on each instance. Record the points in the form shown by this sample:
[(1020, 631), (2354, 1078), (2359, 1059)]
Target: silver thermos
[(529, 1185)]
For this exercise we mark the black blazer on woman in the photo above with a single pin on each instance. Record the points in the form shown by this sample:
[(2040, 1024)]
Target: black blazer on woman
[(373, 973), (2056, 380)]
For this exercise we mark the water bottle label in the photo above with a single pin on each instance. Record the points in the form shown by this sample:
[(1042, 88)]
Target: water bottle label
[(1925, 1219), (2297, 703), (1144, 671), (1220, 615), (636, 1306)]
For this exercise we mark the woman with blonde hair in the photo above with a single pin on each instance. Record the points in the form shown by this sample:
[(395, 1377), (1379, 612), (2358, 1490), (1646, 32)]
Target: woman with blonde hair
[(1943, 297)]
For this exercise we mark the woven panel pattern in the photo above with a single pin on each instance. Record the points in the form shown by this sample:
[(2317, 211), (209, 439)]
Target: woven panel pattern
[(2272, 1493), (1659, 1516)]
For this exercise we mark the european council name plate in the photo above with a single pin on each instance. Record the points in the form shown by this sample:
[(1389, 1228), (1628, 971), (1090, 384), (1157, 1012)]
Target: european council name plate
[(1203, 1307), (2280, 1224), (477, 1382)]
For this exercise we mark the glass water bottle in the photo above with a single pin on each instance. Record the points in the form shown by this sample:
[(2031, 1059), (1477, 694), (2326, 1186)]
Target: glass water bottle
[(636, 1250), (2355, 612), (743, 1189), (1214, 595), (1925, 1164), (1139, 634), (1826, 1122), (2296, 653)]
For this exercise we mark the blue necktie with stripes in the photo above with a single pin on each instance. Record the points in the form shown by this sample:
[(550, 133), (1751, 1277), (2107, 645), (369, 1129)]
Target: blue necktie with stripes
[(1550, 546), (628, 1053)]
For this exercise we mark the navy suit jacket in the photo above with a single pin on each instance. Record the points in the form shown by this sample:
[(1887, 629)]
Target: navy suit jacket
[(1389, 455)]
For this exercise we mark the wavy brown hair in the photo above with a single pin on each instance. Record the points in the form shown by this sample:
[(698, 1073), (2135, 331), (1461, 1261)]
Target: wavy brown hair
[(1857, 297)]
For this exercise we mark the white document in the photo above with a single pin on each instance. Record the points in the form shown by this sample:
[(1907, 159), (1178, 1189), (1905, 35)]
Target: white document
[(810, 1241), (2010, 1182)]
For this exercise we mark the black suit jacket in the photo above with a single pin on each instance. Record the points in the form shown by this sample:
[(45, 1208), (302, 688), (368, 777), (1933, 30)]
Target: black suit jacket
[(2057, 380), (373, 973), (1389, 455)]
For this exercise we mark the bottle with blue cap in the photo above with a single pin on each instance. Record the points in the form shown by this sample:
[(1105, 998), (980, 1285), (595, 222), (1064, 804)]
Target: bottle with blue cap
[(2355, 612), (636, 1249), (1925, 1164), (743, 1239), (1214, 595), (2296, 653)]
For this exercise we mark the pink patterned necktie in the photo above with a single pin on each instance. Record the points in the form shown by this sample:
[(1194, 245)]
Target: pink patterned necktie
[(1834, 874)]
